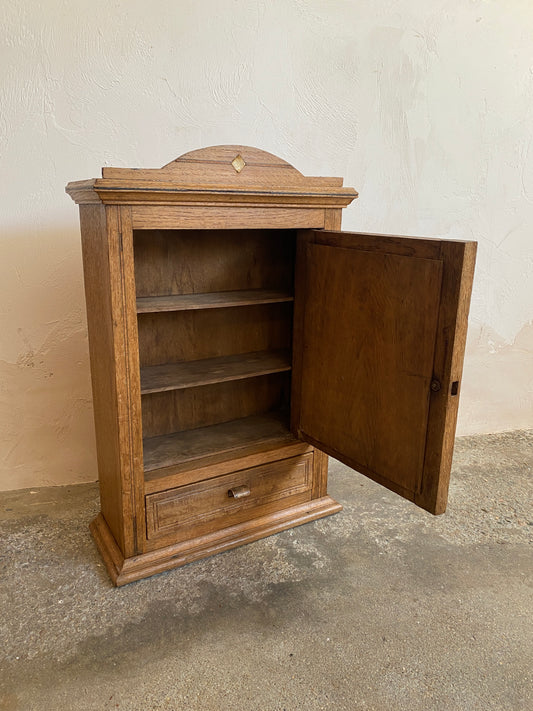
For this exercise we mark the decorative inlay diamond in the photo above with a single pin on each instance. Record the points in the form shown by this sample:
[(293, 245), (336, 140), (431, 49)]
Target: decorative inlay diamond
[(238, 163)]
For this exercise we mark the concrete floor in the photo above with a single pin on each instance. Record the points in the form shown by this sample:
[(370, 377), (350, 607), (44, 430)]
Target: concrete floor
[(380, 607)]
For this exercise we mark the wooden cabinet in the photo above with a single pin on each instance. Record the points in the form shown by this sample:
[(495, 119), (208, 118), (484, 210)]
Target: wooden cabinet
[(237, 337)]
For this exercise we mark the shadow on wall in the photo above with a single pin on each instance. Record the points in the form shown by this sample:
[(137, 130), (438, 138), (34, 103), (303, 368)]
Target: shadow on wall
[(497, 382), (47, 432)]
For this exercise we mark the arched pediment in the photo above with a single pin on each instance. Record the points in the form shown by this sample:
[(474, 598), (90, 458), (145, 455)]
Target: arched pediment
[(224, 165), (228, 173)]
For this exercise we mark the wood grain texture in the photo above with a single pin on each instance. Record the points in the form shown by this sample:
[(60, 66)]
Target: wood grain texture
[(83, 193), (421, 247), (214, 165), (112, 320), (191, 374), (332, 221), (175, 410), (169, 262), (194, 510), (105, 540), (211, 300), (320, 474), (126, 570), (459, 262), (125, 356), (170, 337), (179, 447), (370, 329), (95, 251), (215, 160), (174, 242), (406, 307), (194, 217), (209, 176), (137, 192), (304, 238), (247, 456)]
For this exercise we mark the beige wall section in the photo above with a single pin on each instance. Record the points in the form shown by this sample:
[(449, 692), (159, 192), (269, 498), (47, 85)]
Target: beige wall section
[(425, 108)]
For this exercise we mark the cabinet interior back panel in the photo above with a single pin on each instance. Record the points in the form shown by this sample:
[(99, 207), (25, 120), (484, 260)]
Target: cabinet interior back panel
[(169, 337), (178, 410), (200, 261)]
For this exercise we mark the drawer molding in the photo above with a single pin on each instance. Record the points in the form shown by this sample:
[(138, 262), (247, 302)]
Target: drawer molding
[(187, 509)]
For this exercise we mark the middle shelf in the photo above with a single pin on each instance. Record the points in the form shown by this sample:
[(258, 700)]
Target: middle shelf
[(189, 374), (211, 300)]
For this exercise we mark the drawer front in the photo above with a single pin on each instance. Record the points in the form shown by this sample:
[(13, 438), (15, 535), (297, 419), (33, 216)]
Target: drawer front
[(197, 509)]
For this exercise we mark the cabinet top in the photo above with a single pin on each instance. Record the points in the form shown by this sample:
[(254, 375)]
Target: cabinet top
[(224, 175)]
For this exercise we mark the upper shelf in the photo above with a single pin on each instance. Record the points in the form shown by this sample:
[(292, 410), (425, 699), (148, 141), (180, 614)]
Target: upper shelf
[(212, 300)]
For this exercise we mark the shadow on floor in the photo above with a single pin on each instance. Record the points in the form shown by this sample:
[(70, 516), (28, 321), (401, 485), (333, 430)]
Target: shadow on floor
[(380, 607)]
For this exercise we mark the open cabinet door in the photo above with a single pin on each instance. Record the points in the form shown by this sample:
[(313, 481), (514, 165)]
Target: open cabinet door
[(379, 337)]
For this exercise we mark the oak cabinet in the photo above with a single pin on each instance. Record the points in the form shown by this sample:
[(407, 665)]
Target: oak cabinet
[(237, 337)]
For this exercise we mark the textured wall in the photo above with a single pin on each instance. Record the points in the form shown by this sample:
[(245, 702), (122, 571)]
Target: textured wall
[(425, 107)]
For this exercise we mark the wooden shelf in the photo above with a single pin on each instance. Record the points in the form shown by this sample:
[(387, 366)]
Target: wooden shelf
[(213, 300), (190, 374), (179, 447)]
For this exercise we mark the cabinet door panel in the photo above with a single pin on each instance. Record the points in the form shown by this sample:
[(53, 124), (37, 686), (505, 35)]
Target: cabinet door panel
[(379, 355)]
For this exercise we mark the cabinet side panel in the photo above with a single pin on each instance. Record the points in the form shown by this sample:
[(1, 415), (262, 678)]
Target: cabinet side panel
[(101, 347)]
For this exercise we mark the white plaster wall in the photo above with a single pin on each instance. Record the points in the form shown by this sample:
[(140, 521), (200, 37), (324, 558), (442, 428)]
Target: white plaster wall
[(425, 106)]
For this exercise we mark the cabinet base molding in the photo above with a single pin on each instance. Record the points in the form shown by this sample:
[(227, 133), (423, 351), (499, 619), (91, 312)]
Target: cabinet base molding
[(126, 570)]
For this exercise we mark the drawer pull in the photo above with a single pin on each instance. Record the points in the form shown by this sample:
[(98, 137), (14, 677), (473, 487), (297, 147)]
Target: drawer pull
[(239, 492)]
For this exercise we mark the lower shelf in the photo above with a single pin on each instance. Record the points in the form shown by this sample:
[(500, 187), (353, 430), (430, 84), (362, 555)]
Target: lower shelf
[(126, 570), (179, 447)]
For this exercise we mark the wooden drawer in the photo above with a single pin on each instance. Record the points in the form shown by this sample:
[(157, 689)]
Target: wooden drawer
[(197, 509)]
